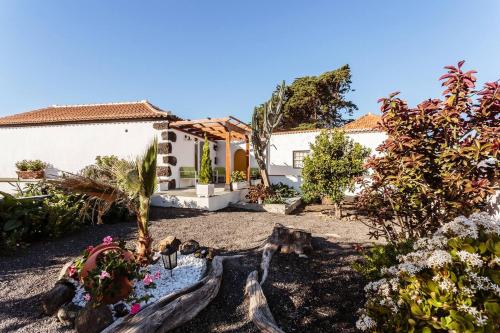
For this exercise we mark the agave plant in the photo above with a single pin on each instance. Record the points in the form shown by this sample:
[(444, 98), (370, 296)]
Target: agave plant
[(132, 185)]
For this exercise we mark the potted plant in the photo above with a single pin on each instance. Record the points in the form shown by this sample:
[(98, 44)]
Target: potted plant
[(204, 187), (238, 180), (106, 271), (30, 169), (255, 177)]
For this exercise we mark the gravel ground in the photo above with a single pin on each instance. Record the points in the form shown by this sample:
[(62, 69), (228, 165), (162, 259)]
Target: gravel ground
[(318, 294)]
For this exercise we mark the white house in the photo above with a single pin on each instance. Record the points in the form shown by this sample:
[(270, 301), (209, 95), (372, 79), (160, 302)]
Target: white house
[(287, 149), (69, 137)]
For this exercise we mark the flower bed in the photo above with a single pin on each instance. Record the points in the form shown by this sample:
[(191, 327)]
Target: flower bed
[(155, 284), (108, 282)]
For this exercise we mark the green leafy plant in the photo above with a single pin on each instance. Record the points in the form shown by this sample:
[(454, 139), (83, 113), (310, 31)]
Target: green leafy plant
[(448, 283), (274, 199), (378, 257), (283, 190), (206, 165), (440, 160), (237, 176), (102, 170), (31, 165), (24, 220), (331, 167)]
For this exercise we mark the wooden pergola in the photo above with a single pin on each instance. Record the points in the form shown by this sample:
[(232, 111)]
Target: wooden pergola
[(227, 129)]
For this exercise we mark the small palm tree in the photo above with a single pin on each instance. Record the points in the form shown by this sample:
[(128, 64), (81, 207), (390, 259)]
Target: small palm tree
[(132, 185)]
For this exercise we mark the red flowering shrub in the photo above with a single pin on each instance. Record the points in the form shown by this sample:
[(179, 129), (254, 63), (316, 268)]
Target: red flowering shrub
[(440, 160)]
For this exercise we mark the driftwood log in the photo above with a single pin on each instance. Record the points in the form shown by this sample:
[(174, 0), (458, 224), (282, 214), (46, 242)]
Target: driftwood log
[(258, 309), (174, 309), (285, 240)]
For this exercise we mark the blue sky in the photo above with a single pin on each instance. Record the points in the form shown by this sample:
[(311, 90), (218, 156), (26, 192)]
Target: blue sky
[(215, 58)]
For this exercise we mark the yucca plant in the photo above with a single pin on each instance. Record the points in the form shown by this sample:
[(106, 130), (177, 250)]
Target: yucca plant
[(132, 185)]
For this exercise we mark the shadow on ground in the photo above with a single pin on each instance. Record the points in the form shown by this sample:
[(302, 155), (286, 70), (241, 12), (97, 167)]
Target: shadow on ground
[(317, 294)]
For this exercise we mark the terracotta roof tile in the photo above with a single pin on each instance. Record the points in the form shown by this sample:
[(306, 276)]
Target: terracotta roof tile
[(87, 113), (366, 123)]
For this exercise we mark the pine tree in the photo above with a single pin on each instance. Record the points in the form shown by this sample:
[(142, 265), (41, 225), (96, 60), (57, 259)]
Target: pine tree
[(206, 164)]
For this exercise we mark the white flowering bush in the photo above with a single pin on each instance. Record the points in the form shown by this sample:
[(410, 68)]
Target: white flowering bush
[(450, 282)]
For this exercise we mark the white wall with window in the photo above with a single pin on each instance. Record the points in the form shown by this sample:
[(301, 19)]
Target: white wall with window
[(288, 149)]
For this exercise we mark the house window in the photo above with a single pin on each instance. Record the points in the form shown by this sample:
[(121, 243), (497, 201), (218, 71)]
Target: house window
[(298, 158)]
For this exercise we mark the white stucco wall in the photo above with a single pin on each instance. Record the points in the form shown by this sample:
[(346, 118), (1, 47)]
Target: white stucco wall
[(71, 147), (184, 150), (282, 146)]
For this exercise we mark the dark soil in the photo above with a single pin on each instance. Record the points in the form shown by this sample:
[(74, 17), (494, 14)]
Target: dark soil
[(317, 294)]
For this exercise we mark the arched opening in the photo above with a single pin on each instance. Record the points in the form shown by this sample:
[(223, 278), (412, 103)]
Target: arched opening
[(240, 161)]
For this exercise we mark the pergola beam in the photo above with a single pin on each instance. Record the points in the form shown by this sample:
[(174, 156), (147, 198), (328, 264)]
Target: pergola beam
[(215, 128)]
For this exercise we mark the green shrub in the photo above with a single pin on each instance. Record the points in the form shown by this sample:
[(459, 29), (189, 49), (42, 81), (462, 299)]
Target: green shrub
[(102, 169), (283, 190), (441, 159), (25, 220), (206, 164), (449, 283), (331, 168), (274, 199), (378, 257)]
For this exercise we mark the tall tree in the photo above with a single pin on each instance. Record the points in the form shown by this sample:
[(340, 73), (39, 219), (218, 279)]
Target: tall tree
[(263, 123), (317, 101)]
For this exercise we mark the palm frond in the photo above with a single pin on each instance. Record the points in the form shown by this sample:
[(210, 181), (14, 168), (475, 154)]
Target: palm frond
[(126, 177), (93, 189), (146, 167)]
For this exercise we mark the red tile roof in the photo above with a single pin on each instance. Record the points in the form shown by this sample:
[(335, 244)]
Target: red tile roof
[(366, 123), (58, 114)]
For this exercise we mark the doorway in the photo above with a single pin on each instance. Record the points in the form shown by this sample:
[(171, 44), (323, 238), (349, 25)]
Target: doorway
[(240, 161)]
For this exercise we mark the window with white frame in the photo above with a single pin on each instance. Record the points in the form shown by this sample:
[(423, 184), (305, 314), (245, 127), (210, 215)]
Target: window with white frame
[(298, 158)]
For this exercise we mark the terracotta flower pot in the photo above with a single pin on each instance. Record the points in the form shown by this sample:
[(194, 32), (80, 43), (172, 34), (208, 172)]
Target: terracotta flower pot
[(31, 174), (122, 283)]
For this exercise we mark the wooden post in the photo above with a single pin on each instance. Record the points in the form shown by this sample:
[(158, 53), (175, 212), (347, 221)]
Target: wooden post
[(247, 155), (227, 187)]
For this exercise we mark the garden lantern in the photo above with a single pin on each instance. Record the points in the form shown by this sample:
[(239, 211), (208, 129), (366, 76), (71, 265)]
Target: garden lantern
[(169, 258)]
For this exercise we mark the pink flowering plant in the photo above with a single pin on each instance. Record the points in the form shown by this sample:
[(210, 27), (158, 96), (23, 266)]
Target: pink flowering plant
[(106, 279), (450, 282)]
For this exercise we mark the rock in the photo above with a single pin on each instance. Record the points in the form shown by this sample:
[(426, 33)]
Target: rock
[(205, 252), (61, 293), (120, 310), (189, 247), (67, 313), (93, 320), (168, 241)]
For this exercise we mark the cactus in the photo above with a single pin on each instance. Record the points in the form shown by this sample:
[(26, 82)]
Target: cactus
[(262, 128)]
